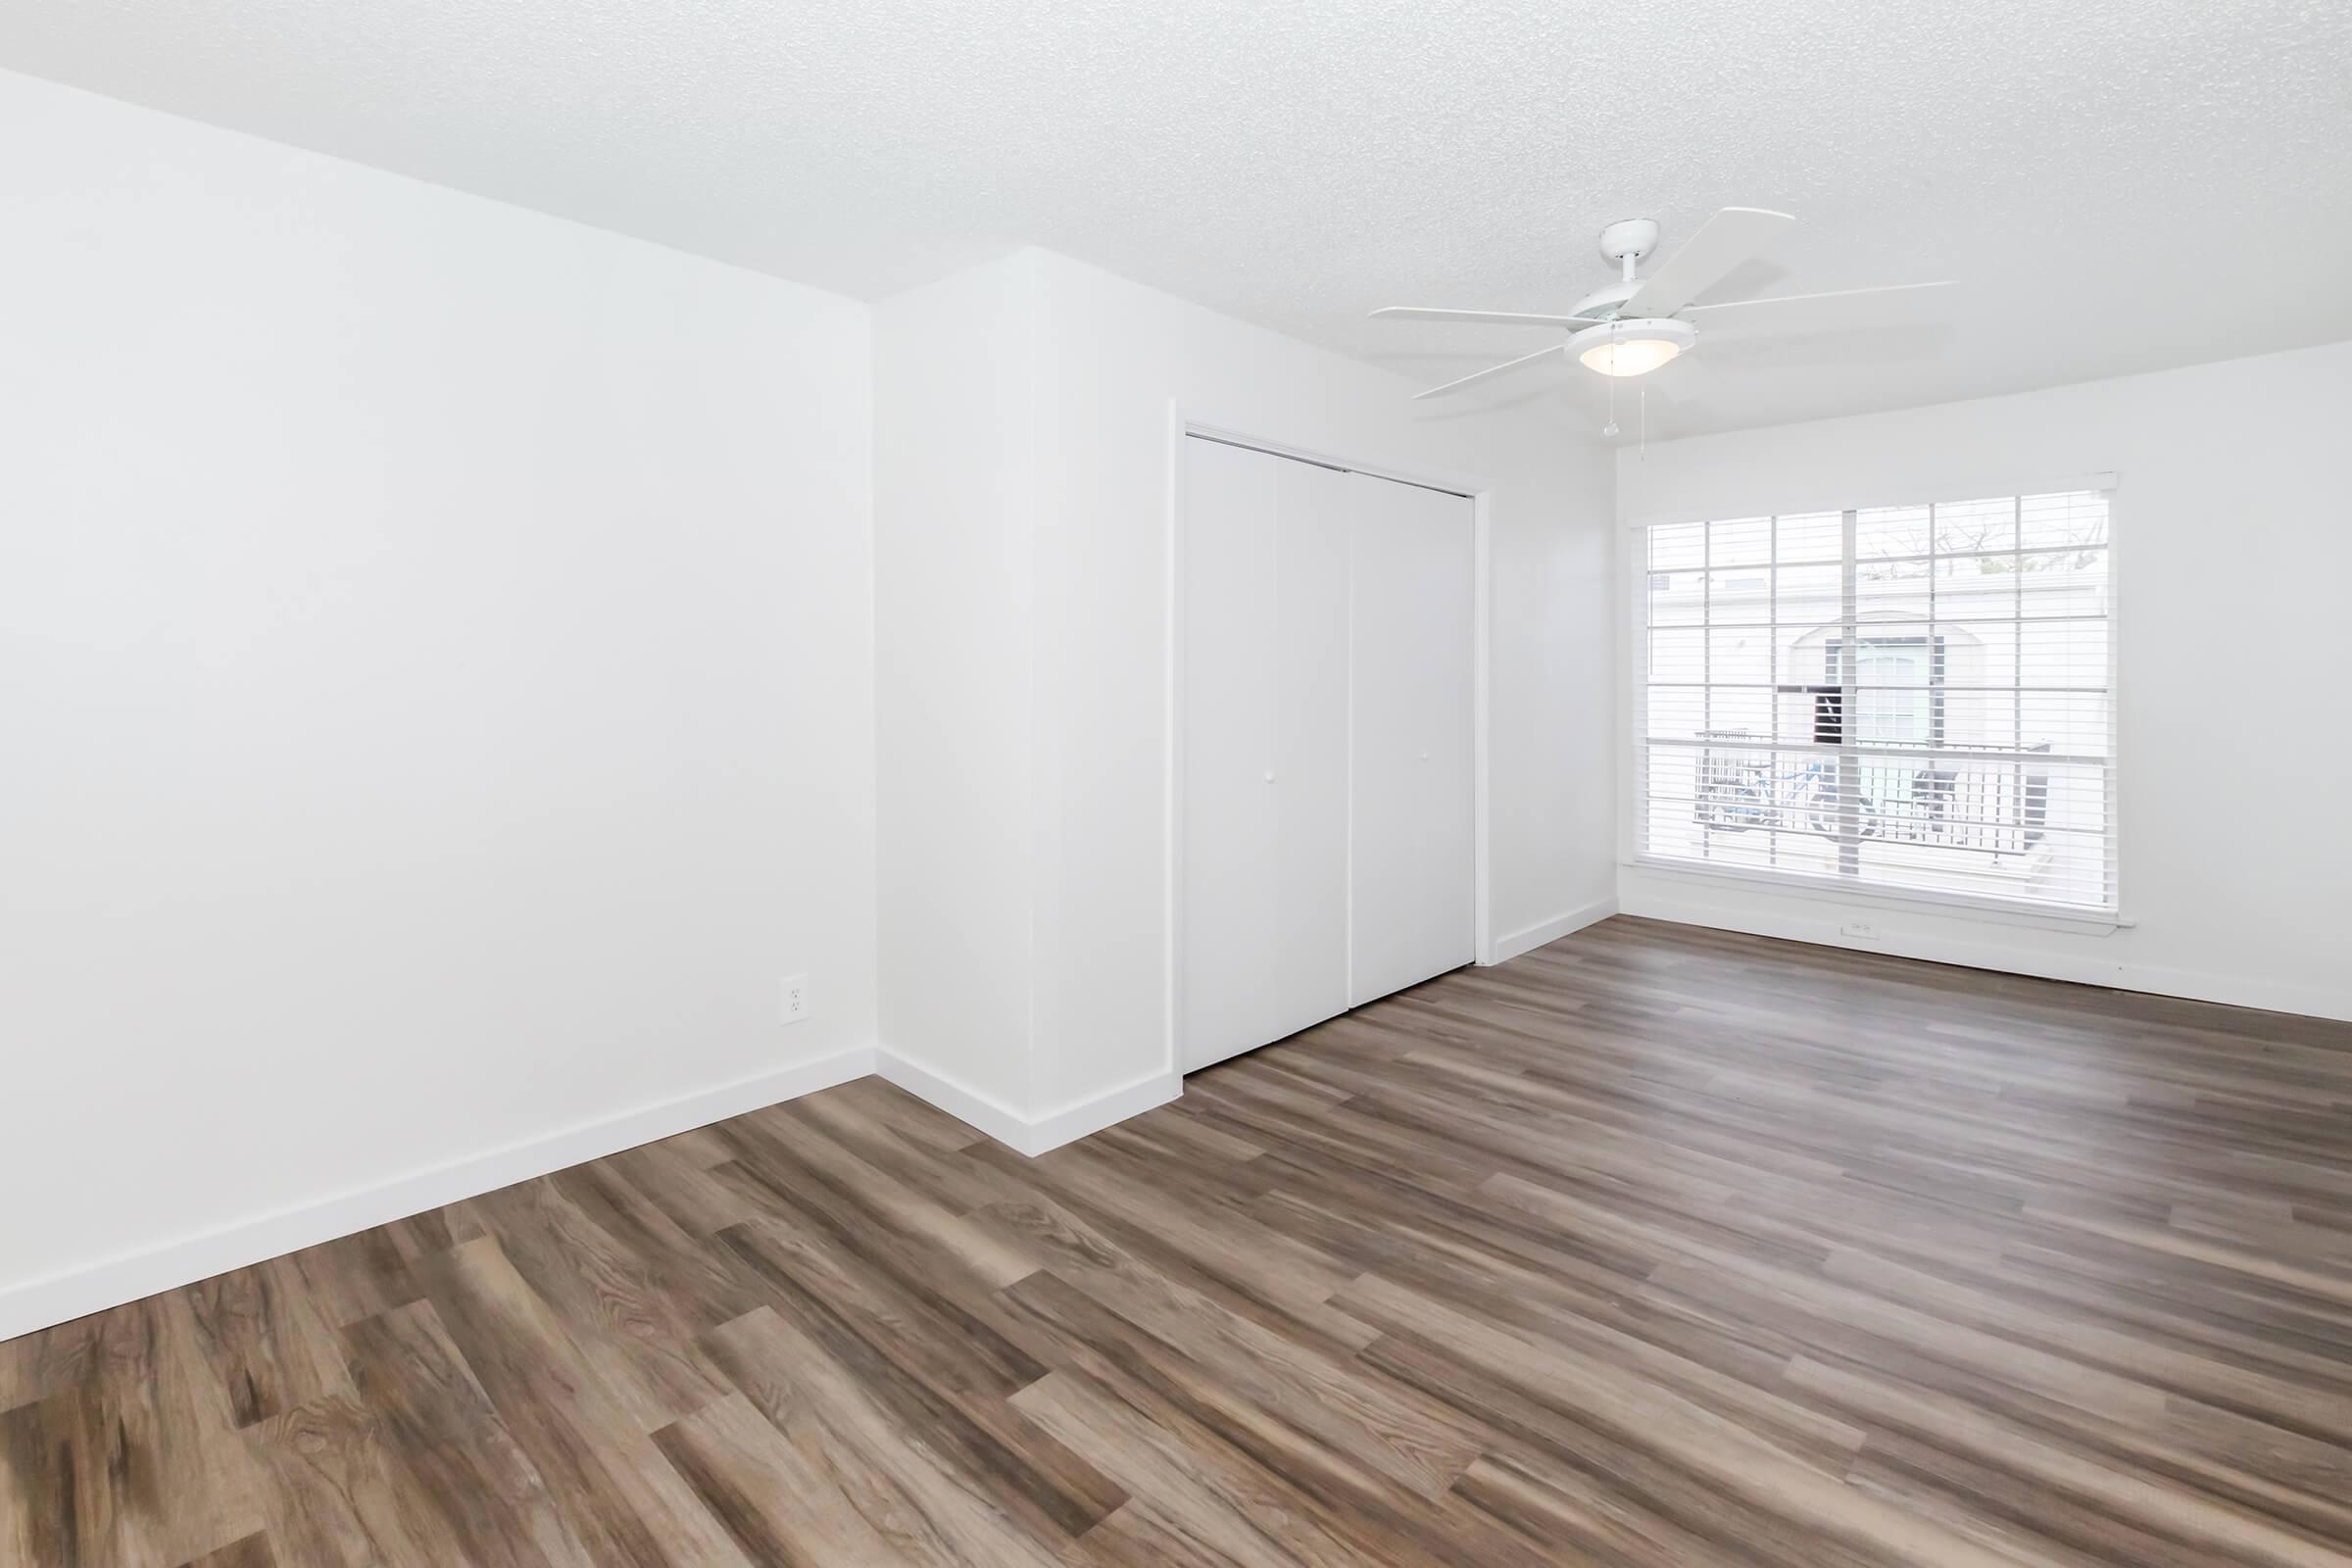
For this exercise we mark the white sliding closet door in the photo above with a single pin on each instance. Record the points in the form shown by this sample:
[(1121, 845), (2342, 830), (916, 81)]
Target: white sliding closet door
[(1412, 770), (1263, 862)]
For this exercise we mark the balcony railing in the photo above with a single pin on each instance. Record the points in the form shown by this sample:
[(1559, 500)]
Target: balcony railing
[(1999, 809)]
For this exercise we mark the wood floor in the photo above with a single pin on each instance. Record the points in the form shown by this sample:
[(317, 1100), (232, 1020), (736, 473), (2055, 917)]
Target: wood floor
[(1655, 1247)]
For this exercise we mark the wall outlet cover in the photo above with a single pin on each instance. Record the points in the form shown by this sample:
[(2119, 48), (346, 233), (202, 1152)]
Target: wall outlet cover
[(796, 998)]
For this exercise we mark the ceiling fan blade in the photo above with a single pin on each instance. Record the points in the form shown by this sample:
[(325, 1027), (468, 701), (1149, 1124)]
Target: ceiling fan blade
[(1721, 242), (1491, 370), (1418, 313), (1801, 311)]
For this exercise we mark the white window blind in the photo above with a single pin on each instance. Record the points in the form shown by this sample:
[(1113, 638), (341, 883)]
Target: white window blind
[(1914, 698)]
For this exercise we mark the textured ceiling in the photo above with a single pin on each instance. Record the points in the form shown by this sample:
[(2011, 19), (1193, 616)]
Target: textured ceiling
[(2121, 184)]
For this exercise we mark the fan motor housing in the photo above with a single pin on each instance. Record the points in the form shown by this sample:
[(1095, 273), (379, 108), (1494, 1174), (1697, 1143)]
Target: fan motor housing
[(1636, 237), (1602, 303)]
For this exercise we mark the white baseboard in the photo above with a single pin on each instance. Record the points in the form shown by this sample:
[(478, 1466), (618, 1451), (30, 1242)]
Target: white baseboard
[(1559, 926), (1091, 1115), (60, 1298), (1028, 1135), (2004, 952), (966, 1105)]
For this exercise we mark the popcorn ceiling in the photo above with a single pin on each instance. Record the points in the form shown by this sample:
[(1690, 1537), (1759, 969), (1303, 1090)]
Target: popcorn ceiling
[(2122, 184)]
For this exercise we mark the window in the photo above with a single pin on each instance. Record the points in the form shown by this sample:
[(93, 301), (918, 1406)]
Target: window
[(1912, 699)]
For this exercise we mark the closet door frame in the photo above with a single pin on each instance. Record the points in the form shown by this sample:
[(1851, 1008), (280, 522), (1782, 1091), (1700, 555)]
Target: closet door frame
[(1185, 421)]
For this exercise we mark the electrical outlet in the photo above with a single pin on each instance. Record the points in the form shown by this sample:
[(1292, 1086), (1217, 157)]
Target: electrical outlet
[(796, 998), (1859, 930)]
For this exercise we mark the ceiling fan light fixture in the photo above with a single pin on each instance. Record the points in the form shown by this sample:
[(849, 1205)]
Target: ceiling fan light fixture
[(1630, 348), (1638, 357)]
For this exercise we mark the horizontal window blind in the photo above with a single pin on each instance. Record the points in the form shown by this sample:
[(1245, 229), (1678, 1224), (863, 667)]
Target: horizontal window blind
[(1913, 698)]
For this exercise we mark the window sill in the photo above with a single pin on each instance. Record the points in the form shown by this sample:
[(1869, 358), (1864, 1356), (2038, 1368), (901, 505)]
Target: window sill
[(2000, 912)]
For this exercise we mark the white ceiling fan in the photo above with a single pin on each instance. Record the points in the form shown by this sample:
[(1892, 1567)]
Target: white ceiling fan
[(1636, 324)]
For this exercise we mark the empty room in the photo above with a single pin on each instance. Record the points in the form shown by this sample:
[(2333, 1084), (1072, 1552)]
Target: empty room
[(837, 785)]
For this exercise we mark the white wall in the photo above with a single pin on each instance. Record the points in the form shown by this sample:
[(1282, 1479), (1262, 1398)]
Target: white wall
[(1100, 359), (953, 496), (436, 688), (1553, 651), (2233, 541)]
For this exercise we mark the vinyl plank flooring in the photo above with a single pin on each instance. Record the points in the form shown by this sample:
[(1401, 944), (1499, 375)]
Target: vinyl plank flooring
[(481, 1495), (928, 1512), (1657, 1247), (251, 1552), (137, 1464), (266, 1340)]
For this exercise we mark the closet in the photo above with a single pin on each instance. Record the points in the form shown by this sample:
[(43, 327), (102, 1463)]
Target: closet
[(1327, 733)]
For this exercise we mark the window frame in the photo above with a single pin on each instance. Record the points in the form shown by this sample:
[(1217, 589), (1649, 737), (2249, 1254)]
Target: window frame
[(1835, 888)]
